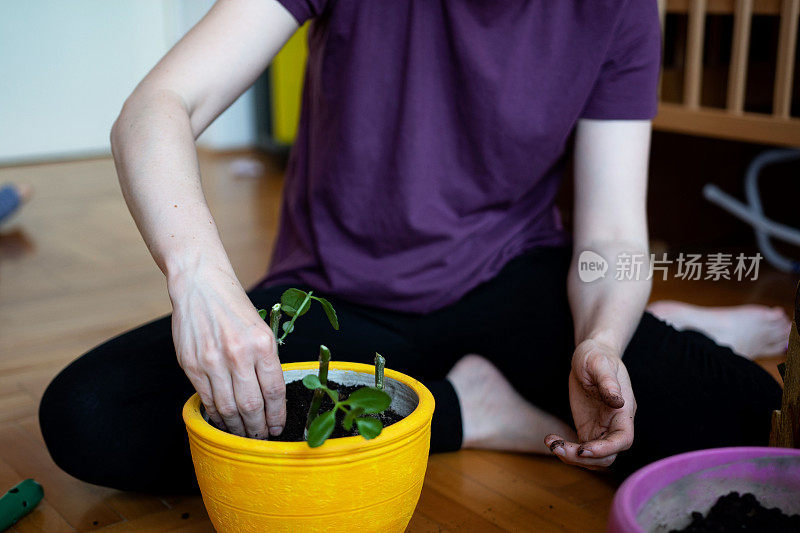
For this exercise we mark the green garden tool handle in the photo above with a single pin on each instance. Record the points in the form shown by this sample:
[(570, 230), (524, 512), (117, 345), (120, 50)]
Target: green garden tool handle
[(19, 501)]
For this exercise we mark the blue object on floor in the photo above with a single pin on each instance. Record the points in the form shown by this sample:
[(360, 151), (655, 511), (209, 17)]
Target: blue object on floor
[(9, 201)]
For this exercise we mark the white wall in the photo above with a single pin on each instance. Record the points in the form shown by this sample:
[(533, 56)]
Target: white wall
[(66, 67)]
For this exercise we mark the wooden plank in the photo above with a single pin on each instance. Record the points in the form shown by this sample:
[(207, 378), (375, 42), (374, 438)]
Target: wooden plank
[(421, 523), (525, 490), (79, 503), (725, 7), (718, 123), (133, 505), (452, 513), (784, 71), (15, 405), (574, 485), (506, 514), (740, 48), (693, 75), (189, 515), (33, 381)]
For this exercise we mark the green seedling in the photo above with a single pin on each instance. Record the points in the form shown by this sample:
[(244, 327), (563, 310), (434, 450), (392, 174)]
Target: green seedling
[(295, 303), (380, 363), (364, 401), (319, 394)]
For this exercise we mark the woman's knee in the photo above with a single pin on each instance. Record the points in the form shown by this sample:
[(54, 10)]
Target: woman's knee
[(70, 413), (115, 425)]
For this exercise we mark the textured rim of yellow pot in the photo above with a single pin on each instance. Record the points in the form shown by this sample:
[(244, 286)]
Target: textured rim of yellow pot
[(415, 422)]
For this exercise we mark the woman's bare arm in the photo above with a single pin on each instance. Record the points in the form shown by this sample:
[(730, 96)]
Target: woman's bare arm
[(610, 220), (224, 347)]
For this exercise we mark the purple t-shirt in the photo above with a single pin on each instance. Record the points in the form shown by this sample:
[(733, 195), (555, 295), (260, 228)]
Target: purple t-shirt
[(433, 133)]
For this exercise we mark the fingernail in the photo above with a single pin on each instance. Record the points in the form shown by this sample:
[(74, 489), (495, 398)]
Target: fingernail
[(585, 453), (560, 451), (275, 430), (556, 444)]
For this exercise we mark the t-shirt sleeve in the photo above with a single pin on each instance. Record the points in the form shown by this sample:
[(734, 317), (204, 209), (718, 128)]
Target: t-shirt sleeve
[(627, 84), (302, 10)]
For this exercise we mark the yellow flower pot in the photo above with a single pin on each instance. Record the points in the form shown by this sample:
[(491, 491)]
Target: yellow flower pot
[(347, 484)]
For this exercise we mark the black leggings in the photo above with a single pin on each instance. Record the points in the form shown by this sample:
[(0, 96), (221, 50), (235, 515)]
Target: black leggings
[(113, 416)]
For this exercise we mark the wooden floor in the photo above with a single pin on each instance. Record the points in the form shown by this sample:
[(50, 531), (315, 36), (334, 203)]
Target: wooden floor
[(74, 271)]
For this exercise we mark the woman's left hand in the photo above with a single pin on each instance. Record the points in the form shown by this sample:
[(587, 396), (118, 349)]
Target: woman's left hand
[(603, 407)]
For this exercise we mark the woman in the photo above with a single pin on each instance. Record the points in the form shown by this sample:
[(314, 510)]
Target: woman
[(420, 198)]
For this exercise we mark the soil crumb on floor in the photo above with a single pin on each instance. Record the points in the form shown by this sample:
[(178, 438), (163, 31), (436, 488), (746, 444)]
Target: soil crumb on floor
[(734, 512)]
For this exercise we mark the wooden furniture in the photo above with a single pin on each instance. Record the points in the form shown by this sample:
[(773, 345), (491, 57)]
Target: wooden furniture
[(732, 121), (786, 422)]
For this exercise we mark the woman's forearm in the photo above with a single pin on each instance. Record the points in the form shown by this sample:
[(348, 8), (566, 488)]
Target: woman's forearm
[(154, 152), (153, 138), (611, 221), (607, 309)]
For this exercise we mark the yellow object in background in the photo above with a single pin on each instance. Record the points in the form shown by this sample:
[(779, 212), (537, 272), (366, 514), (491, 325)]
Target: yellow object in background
[(287, 73)]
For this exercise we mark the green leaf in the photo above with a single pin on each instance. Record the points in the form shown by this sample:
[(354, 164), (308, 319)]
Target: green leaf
[(288, 327), (350, 416), (370, 399), (262, 313), (321, 428), (311, 381), (292, 299), (369, 427), (334, 395), (330, 312)]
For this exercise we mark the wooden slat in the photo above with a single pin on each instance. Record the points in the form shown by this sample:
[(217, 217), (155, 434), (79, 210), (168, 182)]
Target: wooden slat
[(526, 491), (693, 75), (501, 511), (133, 505), (423, 524), (190, 515), (725, 7), (740, 48), (718, 123), (784, 71), (15, 405), (452, 514), (566, 484)]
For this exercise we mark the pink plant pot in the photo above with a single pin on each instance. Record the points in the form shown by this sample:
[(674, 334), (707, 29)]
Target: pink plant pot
[(661, 496)]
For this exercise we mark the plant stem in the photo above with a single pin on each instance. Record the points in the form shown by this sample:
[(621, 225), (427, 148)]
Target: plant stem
[(319, 394), (275, 320), (380, 362), (297, 314)]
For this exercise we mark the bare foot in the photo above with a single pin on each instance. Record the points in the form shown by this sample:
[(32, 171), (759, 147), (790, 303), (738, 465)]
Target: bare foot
[(494, 415), (750, 330)]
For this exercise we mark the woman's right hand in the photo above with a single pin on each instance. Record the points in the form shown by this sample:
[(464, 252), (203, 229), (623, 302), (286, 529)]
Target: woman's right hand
[(228, 352)]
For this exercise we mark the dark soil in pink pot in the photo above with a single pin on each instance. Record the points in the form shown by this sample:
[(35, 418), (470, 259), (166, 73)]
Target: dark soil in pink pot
[(741, 512)]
